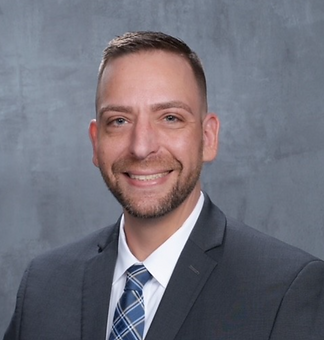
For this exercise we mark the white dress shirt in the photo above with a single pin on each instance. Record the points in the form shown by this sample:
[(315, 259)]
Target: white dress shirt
[(160, 264)]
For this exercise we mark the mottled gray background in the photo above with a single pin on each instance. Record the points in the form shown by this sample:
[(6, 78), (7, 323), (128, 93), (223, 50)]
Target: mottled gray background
[(265, 68)]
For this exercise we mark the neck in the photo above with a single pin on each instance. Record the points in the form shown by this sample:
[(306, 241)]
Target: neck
[(144, 236)]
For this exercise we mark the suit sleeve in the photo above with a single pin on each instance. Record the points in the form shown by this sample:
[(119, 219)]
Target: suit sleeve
[(13, 330), (301, 313)]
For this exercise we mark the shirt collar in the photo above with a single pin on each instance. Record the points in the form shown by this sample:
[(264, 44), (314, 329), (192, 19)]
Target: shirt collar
[(162, 261)]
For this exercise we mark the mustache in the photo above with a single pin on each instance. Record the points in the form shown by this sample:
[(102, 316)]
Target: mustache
[(128, 164)]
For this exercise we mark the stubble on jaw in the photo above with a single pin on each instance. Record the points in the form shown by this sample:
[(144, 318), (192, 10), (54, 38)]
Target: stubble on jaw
[(152, 207)]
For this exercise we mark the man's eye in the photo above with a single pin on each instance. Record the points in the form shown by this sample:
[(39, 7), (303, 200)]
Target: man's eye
[(171, 118), (119, 121)]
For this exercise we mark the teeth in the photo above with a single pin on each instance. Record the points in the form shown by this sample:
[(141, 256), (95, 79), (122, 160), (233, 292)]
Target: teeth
[(148, 177)]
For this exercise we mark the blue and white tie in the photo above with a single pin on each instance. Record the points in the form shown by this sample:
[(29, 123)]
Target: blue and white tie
[(129, 315)]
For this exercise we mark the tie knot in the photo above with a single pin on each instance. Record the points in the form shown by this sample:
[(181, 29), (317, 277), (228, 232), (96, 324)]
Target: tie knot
[(137, 276)]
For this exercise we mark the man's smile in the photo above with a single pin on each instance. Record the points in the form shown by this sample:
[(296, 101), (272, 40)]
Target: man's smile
[(149, 177)]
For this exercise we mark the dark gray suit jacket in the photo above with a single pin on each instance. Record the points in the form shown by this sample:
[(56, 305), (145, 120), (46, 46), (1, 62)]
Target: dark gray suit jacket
[(231, 282)]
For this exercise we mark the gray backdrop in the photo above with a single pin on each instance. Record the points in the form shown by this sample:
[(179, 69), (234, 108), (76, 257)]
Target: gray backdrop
[(265, 68)]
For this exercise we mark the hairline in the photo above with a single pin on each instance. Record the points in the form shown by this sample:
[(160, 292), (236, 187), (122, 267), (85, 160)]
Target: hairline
[(104, 63)]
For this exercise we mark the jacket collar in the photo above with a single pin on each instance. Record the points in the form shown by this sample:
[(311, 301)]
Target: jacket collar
[(195, 265)]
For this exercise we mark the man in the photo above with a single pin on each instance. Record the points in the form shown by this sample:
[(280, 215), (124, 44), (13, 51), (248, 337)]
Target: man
[(206, 276)]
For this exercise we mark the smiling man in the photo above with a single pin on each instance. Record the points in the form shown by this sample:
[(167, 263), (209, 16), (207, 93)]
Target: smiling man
[(173, 266), (150, 139)]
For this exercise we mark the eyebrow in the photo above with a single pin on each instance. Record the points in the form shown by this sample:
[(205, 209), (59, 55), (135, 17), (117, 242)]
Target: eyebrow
[(155, 107), (170, 105), (115, 108)]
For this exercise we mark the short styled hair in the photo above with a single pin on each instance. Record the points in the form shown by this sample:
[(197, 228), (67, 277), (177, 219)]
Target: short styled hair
[(134, 42)]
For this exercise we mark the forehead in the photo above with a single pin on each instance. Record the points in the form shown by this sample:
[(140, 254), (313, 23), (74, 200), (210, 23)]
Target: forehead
[(151, 72), (149, 61)]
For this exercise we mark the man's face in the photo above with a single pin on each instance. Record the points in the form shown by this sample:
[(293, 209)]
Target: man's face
[(148, 140)]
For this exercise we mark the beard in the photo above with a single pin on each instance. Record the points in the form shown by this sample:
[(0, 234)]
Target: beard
[(150, 206)]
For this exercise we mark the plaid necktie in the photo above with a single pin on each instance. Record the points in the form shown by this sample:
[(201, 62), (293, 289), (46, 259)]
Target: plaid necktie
[(129, 315)]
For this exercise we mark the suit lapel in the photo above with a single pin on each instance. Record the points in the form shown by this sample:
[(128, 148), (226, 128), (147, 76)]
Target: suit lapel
[(98, 275), (190, 274), (188, 279)]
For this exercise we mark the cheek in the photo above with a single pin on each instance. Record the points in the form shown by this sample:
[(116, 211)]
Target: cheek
[(109, 152), (104, 155), (188, 150)]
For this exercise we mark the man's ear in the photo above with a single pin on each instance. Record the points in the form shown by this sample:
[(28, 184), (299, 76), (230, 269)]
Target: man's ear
[(210, 137), (93, 134)]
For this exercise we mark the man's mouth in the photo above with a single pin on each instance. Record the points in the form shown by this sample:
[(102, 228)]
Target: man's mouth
[(148, 177)]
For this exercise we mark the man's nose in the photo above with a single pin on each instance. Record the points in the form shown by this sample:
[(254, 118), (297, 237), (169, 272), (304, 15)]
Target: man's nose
[(144, 139)]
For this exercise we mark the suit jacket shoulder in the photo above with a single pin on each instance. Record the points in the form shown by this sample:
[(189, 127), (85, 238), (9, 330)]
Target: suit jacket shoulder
[(234, 282), (64, 293)]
